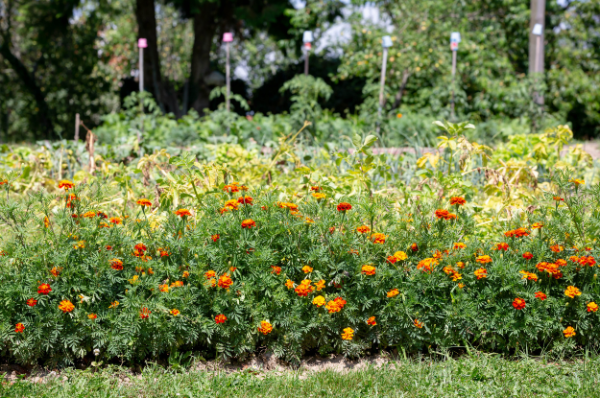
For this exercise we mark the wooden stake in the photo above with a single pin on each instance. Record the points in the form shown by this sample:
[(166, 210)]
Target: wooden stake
[(453, 80), (90, 138), (227, 76), (77, 122)]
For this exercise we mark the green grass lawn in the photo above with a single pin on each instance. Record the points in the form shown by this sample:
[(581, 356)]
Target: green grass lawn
[(465, 377)]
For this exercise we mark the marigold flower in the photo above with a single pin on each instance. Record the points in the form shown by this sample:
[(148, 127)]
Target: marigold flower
[(215, 237), (55, 271), (225, 281), (418, 324), (587, 260), (574, 259), (275, 269), (592, 307), (537, 225), (457, 200), (245, 200), (116, 264), (541, 296), (368, 270), (400, 256), (289, 284), (163, 288), (32, 302), (291, 206), (46, 222), (527, 256), (517, 233), (304, 288), (371, 321), (460, 265), (315, 188), (145, 313), (529, 276), (518, 303), (572, 291), (265, 327), (344, 206), (231, 188), (177, 284), (484, 259), (391, 259), (320, 285), (378, 238), (501, 246), (183, 212), (319, 301), (363, 229), (459, 245), (577, 181), (335, 305), (569, 332), (557, 248), (560, 262), (174, 312), (220, 318), (116, 220), (66, 306), (441, 213), (558, 199), (319, 195), (210, 274), (427, 264), (114, 304), (3, 182), (481, 273), (144, 202), (393, 293), (44, 288), (348, 334), (65, 184), (248, 223), (19, 328), (307, 269), (92, 316), (186, 274)]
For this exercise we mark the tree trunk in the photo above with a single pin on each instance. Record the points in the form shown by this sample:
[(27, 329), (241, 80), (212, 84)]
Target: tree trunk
[(400, 93), (145, 14), (205, 28), (44, 114)]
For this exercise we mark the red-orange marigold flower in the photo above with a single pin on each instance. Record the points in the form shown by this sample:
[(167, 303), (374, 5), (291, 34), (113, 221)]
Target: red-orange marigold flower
[(344, 206), (378, 238), (225, 281), (231, 188), (66, 306), (414, 247), (145, 313), (457, 200), (183, 212), (248, 223), (220, 318), (481, 273), (587, 260), (19, 328), (557, 248), (418, 324), (265, 327), (371, 321), (368, 270), (484, 259), (592, 307), (569, 332), (363, 229), (518, 303), (245, 200), (144, 202), (116, 264), (65, 184), (501, 246), (44, 288), (31, 302), (541, 295), (527, 256), (275, 269)]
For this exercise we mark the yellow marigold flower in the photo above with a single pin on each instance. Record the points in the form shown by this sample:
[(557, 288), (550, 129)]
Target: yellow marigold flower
[(66, 306), (320, 285), (319, 301), (319, 195), (569, 332), (174, 312), (307, 269), (265, 327), (393, 293), (400, 255), (368, 270), (572, 291), (348, 334), (592, 307), (577, 181), (484, 259), (537, 225), (289, 284)]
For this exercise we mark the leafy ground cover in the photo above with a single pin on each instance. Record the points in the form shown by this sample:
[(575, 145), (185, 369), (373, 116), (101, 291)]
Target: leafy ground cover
[(483, 376)]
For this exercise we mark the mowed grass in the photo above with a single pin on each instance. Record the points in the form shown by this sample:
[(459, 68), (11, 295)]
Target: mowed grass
[(465, 377)]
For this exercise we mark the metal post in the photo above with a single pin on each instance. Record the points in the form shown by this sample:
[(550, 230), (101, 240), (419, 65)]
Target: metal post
[(307, 39), (453, 84), (382, 82), (227, 76), (141, 76), (536, 42), (306, 52), (77, 122)]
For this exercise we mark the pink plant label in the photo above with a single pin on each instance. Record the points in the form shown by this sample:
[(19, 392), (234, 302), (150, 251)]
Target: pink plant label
[(227, 37), (142, 43)]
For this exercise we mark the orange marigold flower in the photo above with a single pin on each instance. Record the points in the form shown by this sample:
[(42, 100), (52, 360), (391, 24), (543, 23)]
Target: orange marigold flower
[(348, 334), (541, 296), (575, 259), (315, 189), (378, 238), (363, 229), (400, 256), (368, 270), (210, 274), (66, 306), (418, 324), (501, 246), (320, 285), (183, 212), (572, 291), (289, 284), (291, 206), (592, 307), (537, 225), (517, 233), (484, 259), (140, 247), (344, 206), (175, 312), (518, 303), (307, 269), (56, 271), (65, 184), (527, 256), (44, 288), (225, 281), (441, 213), (319, 301), (89, 214), (460, 264), (177, 284), (31, 302), (427, 264), (275, 269), (19, 328), (371, 321), (215, 237), (164, 288), (481, 273), (461, 285), (231, 188), (459, 245), (116, 264), (414, 247), (46, 222), (557, 248), (560, 262), (558, 199), (114, 304), (393, 293), (248, 223), (116, 220), (391, 259), (587, 260), (245, 200), (528, 275), (3, 182), (569, 332), (265, 327), (145, 313), (304, 288), (220, 318), (335, 305), (92, 316), (457, 200), (144, 202)]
